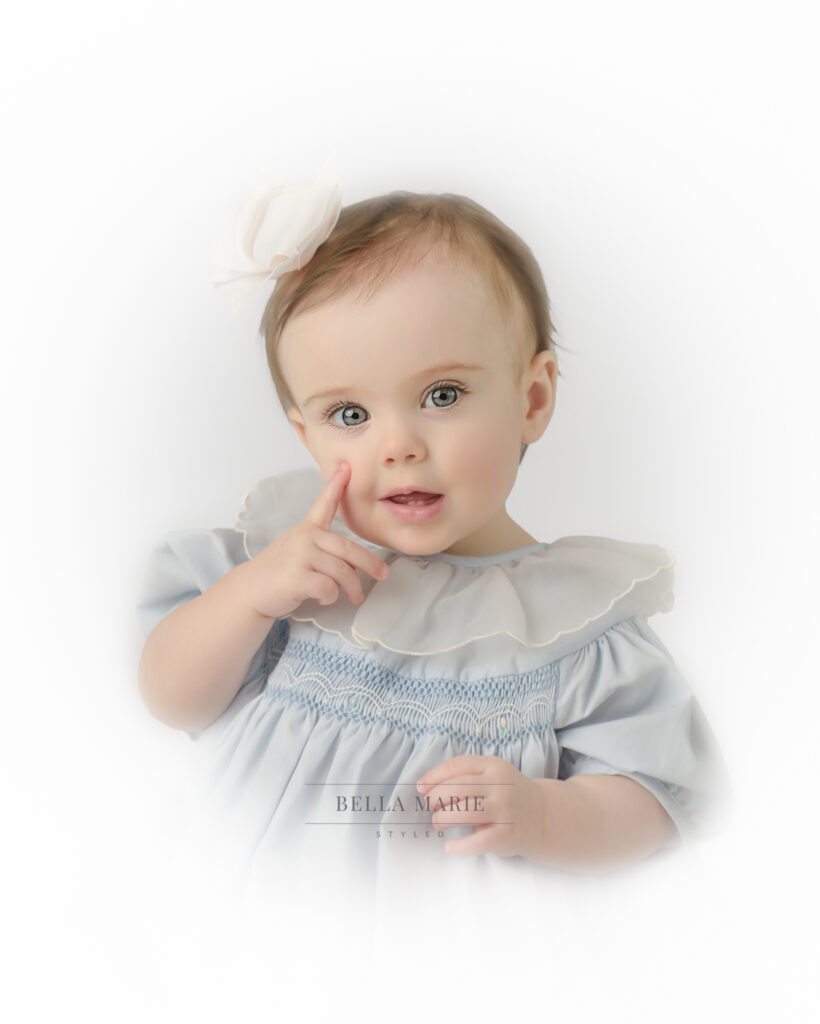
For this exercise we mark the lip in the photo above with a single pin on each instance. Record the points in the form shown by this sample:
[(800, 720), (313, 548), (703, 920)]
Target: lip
[(414, 513)]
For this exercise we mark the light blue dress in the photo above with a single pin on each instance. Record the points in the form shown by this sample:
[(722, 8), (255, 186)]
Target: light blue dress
[(542, 656)]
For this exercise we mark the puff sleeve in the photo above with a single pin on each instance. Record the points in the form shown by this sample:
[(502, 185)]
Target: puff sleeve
[(623, 708), (180, 567)]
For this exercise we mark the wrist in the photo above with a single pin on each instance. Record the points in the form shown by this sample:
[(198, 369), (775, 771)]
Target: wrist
[(238, 582), (547, 824)]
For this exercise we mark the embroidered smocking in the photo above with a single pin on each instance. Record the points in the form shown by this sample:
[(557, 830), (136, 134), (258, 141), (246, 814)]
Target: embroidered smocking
[(500, 708)]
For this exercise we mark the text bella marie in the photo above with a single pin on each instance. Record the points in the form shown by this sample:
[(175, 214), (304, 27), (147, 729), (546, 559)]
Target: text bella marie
[(381, 806)]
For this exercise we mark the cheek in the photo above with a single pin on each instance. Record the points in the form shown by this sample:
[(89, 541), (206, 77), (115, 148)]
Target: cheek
[(486, 457), (356, 513), (328, 453)]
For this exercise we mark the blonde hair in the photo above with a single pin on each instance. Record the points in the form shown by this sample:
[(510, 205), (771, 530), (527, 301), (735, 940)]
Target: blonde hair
[(376, 238)]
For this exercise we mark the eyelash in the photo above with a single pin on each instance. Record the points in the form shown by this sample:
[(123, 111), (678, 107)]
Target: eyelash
[(462, 389)]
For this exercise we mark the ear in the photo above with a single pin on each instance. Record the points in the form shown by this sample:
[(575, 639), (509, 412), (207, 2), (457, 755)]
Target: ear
[(298, 423), (539, 384)]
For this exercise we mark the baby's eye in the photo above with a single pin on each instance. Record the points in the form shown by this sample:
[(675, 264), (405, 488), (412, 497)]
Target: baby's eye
[(353, 418), (444, 395)]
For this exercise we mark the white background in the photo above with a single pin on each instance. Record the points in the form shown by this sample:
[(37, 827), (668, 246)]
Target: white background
[(661, 161)]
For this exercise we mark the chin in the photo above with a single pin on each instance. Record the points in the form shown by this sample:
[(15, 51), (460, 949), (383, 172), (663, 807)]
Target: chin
[(415, 545)]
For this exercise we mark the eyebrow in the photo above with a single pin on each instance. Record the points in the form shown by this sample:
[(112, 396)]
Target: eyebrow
[(429, 372)]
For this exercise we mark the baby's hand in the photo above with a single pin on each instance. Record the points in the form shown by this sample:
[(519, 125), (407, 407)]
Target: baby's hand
[(510, 818), (310, 561)]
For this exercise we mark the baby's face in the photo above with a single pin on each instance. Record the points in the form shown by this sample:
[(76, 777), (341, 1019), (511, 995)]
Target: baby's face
[(416, 389)]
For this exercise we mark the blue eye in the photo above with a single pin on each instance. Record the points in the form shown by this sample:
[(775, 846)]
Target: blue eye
[(358, 417), (440, 391)]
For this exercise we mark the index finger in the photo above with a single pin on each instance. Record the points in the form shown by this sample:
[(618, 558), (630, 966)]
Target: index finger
[(325, 506)]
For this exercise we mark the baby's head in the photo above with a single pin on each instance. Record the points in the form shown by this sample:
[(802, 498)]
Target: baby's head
[(417, 345)]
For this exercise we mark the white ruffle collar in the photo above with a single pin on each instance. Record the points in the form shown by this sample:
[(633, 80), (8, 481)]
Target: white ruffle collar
[(537, 595)]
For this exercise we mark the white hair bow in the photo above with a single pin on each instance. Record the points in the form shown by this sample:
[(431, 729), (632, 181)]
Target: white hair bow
[(278, 228)]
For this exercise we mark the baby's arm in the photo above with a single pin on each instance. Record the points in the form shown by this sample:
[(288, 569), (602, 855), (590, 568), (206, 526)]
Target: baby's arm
[(584, 823), (597, 823), (196, 658)]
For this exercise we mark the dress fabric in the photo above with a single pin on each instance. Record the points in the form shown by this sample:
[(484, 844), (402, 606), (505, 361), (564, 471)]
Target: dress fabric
[(542, 656)]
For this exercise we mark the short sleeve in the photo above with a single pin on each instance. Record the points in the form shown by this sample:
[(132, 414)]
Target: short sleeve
[(180, 567), (623, 708)]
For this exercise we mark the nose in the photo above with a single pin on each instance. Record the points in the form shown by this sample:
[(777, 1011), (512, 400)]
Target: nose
[(401, 442)]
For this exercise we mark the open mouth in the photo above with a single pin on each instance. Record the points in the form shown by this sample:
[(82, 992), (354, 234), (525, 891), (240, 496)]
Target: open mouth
[(414, 498), (415, 507)]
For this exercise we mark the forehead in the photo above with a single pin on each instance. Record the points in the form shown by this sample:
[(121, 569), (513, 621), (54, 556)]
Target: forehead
[(425, 315)]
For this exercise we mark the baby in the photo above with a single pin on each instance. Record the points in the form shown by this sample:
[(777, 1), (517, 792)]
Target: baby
[(381, 647)]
